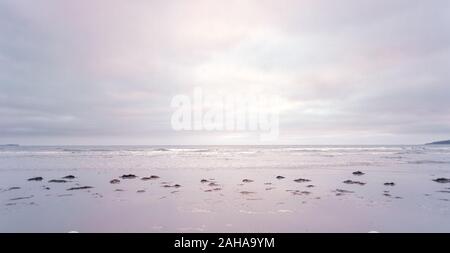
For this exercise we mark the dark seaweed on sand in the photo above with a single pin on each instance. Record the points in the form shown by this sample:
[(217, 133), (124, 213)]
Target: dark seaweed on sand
[(57, 181), (128, 176), (80, 188), (36, 179), (442, 180), (353, 182), (301, 180)]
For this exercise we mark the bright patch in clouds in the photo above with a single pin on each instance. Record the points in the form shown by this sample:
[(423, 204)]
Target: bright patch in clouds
[(104, 72)]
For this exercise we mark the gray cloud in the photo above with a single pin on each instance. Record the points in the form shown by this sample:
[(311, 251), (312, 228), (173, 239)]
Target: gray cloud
[(105, 71)]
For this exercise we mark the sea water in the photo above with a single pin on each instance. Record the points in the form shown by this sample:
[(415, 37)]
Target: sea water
[(223, 202)]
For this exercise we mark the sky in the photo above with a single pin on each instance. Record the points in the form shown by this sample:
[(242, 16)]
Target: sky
[(105, 71)]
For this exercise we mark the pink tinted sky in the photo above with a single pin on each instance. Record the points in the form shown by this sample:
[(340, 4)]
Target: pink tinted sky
[(104, 72)]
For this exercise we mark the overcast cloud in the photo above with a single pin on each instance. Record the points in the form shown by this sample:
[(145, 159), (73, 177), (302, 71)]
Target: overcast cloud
[(105, 71)]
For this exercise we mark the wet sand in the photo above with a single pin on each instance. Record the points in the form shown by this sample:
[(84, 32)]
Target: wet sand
[(385, 196)]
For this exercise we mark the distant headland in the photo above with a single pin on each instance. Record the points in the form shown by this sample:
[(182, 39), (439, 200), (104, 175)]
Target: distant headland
[(439, 143), (9, 145)]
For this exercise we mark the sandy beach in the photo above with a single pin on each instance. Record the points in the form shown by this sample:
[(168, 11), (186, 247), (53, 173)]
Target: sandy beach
[(225, 189)]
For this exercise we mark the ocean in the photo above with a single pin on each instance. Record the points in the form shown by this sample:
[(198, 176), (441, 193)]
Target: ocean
[(225, 188)]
